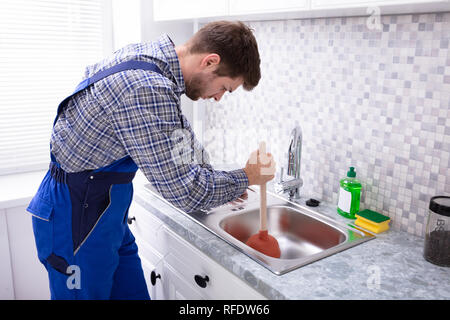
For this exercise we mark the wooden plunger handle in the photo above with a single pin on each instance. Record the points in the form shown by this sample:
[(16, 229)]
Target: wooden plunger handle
[(263, 193)]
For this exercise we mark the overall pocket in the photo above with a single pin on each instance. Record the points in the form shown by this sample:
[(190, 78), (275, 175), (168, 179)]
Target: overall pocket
[(87, 214), (42, 213)]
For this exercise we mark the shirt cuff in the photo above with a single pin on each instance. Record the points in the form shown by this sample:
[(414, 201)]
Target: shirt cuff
[(241, 182)]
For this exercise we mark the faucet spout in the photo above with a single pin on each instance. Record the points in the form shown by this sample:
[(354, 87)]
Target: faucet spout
[(293, 184), (295, 150)]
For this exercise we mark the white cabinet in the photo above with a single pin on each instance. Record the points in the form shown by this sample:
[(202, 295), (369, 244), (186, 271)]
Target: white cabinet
[(22, 276), (250, 10), (238, 7), (318, 4), (182, 9), (209, 279), (331, 8), (6, 275), (145, 229), (181, 271)]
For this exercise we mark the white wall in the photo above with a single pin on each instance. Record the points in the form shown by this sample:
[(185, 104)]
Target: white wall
[(126, 20)]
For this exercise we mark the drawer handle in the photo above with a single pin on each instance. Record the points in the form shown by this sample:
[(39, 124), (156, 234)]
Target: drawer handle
[(201, 281), (130, 220), (153, 277)]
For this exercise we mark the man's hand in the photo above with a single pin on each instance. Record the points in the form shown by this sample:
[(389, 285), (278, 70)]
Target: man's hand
[(259, 168), (241, 199)]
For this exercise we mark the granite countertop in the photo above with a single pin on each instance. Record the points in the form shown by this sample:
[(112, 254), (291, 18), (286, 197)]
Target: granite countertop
[(388, 267)]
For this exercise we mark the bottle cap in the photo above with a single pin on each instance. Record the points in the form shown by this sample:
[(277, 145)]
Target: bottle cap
[(312, 202), (351, 173)]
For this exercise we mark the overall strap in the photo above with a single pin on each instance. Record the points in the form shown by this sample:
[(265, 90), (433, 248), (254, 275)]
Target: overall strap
[(127, 65)]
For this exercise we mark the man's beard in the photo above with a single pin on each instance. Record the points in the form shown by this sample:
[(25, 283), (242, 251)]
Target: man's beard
[(197, 85)]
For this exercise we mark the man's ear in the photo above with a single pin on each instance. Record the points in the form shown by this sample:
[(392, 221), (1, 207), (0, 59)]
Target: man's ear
[(210, 60)]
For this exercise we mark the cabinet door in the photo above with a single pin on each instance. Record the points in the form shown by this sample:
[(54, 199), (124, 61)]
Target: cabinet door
[(202, 275), (176, 287), (260, 6), (182, 9), (155, 274), (29, 276), (317, 4), (6, 275)]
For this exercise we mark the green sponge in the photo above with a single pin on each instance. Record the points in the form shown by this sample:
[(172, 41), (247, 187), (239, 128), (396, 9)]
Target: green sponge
[(372, 215)]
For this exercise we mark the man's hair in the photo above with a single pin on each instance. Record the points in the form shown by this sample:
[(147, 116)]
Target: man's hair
[(236, 45)]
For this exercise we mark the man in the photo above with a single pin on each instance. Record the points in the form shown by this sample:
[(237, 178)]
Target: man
[(122, 117)]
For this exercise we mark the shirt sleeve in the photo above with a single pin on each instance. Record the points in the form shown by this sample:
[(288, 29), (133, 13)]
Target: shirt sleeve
[(149, 125)]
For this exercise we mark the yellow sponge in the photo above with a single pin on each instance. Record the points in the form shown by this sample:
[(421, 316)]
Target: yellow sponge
[(372, 221)]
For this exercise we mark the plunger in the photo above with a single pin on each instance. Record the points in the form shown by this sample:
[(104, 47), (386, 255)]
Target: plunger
[(263, 241)]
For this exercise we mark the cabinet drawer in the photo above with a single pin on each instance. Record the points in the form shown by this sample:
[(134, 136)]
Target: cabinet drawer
[(146, 234), (138, 211), (147, 252), (146, 227), (190, 262)]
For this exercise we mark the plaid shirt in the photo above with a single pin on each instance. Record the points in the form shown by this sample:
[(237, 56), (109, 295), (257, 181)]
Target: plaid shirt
[(137, 113)]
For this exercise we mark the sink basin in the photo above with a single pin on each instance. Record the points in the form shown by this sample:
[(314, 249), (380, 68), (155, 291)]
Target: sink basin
[(304, 235), (298, 235)]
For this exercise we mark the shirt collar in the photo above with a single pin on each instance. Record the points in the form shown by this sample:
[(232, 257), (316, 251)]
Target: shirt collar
[(168, 49)]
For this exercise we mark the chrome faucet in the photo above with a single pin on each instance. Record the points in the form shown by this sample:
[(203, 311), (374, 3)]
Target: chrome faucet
[(295, 182)]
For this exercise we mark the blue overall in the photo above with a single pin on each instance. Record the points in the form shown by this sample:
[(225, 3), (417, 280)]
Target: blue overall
[(80, 224)]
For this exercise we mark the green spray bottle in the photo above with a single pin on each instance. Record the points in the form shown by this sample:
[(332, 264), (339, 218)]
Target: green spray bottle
[(349, 195)]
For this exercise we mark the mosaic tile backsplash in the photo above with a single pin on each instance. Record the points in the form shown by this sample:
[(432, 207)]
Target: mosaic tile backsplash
[(378, 100)]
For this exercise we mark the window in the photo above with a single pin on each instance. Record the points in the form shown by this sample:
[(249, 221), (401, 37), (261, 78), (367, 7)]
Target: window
[(44, 47)]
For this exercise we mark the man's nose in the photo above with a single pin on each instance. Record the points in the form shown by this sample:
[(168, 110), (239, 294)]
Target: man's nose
[(218, 96)]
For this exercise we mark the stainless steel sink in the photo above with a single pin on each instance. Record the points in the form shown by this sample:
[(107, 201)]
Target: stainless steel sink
[(298, 234), (304, 235)]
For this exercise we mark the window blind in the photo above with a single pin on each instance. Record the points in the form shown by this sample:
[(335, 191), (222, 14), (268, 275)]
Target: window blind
[(44, 47)]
